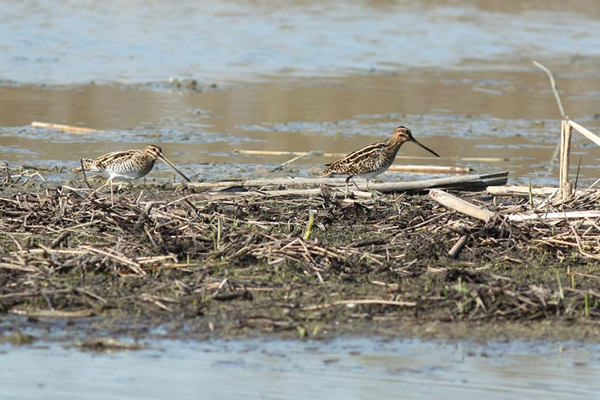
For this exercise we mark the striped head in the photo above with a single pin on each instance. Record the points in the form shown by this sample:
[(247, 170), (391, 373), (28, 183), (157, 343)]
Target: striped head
[(403, 134), (153, 152)]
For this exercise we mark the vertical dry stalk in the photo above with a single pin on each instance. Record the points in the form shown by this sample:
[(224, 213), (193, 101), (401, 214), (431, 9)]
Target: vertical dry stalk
[(566, 187), (554, 88)]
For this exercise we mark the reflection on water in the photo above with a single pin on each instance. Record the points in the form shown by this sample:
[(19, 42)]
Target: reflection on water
[(347, 368)]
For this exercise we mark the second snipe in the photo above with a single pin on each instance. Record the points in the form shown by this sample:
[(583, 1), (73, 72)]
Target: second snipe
[(127, 164), (373, 159)]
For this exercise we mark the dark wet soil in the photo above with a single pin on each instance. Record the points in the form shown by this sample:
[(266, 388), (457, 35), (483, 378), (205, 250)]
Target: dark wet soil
[(165, 261)]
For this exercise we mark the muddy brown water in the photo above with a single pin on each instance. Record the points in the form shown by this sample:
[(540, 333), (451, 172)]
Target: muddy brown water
[(307, 77), (301, 76)]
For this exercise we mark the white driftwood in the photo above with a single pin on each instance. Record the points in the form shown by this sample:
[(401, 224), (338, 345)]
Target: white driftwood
[(458, 246), (63, 128), (566, 187), (456, 203), (286, 153), (585, 132), (287, 192), (257, 183), (520, 190), (554, 216), (428, 169), (554, 88), (456, 182), (539, 191), (339, 155)]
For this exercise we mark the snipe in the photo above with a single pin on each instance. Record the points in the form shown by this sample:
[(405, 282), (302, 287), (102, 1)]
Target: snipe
[(127, 164), (373, 159)]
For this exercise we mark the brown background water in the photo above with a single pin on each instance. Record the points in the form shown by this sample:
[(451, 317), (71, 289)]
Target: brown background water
[(302, 76)]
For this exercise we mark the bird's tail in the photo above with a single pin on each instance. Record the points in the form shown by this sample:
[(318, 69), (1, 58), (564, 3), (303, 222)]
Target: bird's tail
[(327, 171)]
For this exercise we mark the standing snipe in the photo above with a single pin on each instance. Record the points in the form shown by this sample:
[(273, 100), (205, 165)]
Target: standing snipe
[(373, 159), (127, 164)]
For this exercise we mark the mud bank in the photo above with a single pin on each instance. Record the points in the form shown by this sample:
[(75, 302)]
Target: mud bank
[(157, 261)]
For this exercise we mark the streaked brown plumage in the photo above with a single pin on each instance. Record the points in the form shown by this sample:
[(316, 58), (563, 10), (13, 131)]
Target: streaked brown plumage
[(373, 159), (127, 164)]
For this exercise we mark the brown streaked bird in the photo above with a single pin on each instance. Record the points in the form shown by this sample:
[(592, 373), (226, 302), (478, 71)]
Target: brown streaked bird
[(127, 164), (373, 159)]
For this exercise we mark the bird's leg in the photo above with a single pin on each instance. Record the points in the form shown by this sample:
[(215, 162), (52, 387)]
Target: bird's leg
[(377, 195), (347, 188), (112, 202)]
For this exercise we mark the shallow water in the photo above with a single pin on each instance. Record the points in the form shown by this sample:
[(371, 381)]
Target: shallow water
[(301, 77), (66, 42), (201, 132), (349, 368)]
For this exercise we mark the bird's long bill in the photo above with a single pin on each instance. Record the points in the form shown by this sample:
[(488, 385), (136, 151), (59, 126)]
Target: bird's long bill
[(163, 158), (426, 148)]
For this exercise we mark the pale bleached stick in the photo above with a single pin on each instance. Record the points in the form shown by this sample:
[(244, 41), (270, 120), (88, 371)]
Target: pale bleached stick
[(267, 182), (458, 246), (453, 181), (520, 190), (338, 155), (566, 187), (468, 181), (64, 128), (554, 216), (456, 203), (288, 192), (280, 166), (585, 132), (53, 313), (558, 101), (428, 169), (554, 88), (360, 301), (286, 153)]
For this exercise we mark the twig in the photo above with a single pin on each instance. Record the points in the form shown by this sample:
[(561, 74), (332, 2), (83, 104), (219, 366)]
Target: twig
[(428, 169), (554, 89), (460, 205), (280, 166), (64, 128), (554, 216), (520, 190), (566, 187), (585, 132), (360, 301), (468, 182), (56, 242), (84, 174), (558, 101), (337, 155), (143, 216), (458, 246), (133, 265), (53, 313)]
